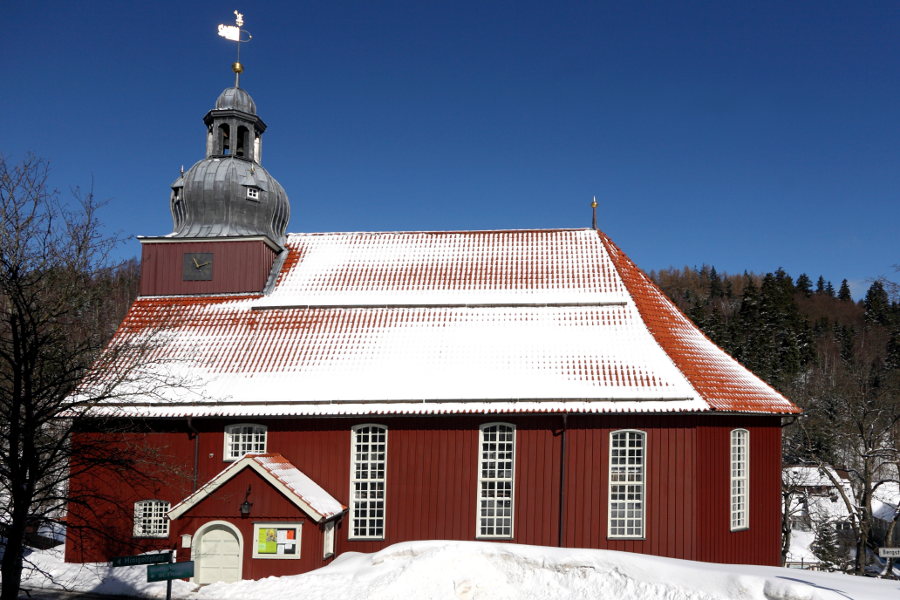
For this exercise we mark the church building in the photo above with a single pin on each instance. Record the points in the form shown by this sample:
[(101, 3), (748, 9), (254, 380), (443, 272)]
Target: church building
[(310, 394)]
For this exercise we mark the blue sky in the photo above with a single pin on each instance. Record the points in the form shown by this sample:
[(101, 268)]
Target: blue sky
[(742, 135)]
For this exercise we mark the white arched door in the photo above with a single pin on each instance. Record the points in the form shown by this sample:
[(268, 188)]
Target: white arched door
[(217, 553)]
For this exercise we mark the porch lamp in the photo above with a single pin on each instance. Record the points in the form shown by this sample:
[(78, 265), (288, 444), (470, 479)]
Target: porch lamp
[(246, 504)]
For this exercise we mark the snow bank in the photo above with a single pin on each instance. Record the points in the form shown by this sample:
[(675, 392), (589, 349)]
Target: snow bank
[(479, 570)]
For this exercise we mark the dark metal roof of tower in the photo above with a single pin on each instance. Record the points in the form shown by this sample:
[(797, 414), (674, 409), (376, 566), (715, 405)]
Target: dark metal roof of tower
[(236, 99)]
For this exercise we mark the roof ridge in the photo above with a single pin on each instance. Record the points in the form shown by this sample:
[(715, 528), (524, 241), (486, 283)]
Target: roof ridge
[(439, 231)]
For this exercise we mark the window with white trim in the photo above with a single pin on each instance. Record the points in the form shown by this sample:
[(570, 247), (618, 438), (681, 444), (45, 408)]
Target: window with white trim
[(627, 462), (151, 519), (740, 465), (328, 540), (368, 471), (253, 193), (496, 472), (244, 438)]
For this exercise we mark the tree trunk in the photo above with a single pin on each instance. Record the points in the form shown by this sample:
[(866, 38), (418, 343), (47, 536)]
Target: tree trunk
[(11, 567)]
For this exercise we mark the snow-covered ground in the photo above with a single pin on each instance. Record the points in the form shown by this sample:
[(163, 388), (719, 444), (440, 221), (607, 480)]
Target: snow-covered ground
[(481, 570)]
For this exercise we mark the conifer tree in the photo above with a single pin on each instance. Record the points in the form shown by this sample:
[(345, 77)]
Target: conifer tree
[(844, 292), (820, 285), (877, 304), (804, 285), (826, 547)]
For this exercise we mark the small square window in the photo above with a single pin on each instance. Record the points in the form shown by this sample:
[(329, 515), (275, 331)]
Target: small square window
[(244, 438), (253, 193), (151, 519)]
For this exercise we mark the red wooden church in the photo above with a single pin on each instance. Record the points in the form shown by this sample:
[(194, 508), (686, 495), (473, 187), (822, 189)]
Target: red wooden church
[(347, 391)]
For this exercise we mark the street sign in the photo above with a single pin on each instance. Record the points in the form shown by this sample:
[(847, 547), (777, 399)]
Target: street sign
[(889, 552), (178, 570), (141, 559)]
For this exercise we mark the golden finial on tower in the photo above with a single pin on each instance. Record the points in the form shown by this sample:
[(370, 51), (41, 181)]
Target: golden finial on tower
[(233, 33), (594, 208)]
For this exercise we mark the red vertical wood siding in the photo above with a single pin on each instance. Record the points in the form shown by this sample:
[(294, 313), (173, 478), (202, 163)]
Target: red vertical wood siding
[(760, 544), (238, 266), (432, 482)]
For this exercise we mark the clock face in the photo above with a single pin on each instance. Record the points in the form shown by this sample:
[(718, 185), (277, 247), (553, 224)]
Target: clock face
[(197, 266)]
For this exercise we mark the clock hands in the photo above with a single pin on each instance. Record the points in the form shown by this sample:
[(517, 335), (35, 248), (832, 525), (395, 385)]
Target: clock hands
[(199, 265)]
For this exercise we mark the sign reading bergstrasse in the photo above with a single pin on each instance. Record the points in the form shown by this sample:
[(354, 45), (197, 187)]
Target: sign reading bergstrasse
[(889, 552)]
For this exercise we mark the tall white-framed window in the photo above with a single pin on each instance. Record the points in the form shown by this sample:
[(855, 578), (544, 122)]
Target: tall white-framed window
[(496, 480), (627, 476), (368, 478), (244, 438), (740, 482), (151, 519)]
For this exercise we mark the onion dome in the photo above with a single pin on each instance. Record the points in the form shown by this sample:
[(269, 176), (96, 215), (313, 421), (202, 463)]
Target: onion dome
[(229, 193)]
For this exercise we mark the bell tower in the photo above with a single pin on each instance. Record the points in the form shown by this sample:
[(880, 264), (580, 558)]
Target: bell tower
[(229, 214)]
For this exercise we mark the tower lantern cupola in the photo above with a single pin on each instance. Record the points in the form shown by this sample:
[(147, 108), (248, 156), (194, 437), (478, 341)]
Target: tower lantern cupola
[(233, 127)]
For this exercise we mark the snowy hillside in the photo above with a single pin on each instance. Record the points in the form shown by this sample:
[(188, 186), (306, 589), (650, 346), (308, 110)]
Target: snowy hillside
[(477, 570)]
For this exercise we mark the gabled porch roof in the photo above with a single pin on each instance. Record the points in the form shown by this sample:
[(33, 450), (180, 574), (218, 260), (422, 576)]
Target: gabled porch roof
[(282, 475)]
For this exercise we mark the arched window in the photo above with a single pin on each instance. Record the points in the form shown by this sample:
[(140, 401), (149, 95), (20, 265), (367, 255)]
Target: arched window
[(627, 469), (368, 480), (740, 481), (244, 438), (496, 480), (224, 140), (151, 519), (243, 139)]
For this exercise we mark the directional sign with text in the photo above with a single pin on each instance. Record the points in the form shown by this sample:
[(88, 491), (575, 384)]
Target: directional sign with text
[(140, 559), (178, 570), (889, 552)]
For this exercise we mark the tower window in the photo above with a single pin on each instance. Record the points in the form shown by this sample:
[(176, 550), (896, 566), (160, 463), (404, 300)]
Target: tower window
[(253, 193), (224, 145), (243, 137)]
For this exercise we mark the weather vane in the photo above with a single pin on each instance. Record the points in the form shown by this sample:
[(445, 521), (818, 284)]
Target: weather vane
[(233, 33)]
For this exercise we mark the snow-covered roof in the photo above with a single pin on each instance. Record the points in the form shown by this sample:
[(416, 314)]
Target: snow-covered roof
[(284, 476), (439, 322)]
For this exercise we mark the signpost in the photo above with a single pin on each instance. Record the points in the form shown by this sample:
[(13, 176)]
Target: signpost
[(141, 559), (159, 567), (169, 571), (889, 552)]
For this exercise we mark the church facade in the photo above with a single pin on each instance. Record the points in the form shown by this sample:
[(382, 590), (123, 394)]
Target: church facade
[(346, 391)]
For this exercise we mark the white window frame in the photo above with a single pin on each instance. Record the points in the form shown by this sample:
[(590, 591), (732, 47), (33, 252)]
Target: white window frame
[(740, 479), (151, 519), (296, 528), (253, 193), (496, 502), (245, 446), (627, 514), (328, 539), (368, 482)]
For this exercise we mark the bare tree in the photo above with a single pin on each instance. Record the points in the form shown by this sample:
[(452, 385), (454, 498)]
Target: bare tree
[(58, 309), (852, 420)]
